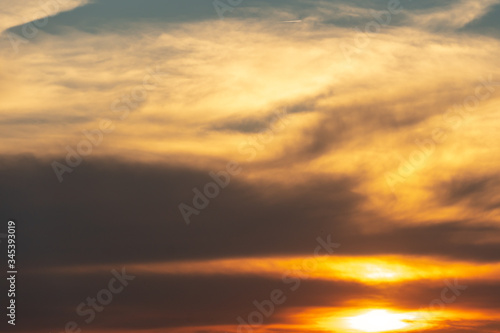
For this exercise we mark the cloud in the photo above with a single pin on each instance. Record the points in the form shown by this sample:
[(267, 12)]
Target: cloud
[(453, 16), (487, 24), (170, 302), (358, 105), (21, 12), (104, 203)]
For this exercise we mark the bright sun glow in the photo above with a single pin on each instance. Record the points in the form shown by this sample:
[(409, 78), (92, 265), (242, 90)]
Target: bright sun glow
[(379, 321)]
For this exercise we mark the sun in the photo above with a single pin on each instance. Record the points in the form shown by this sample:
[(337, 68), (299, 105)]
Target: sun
[(379, 321)]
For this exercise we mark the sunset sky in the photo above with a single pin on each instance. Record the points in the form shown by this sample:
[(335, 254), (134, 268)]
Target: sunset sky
[(243, 166)]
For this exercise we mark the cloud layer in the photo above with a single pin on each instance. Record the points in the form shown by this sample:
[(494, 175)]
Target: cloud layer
[(375, 123)]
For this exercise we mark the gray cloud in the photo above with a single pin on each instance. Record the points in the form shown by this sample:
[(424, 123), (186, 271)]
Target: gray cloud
[(476, 191), (110, 211), (156, 301)]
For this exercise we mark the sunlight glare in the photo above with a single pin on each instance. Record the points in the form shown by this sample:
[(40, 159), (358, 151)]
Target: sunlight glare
[(379, 321)]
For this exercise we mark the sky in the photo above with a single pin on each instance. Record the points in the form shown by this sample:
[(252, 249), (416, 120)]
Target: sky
[(244, 166)]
